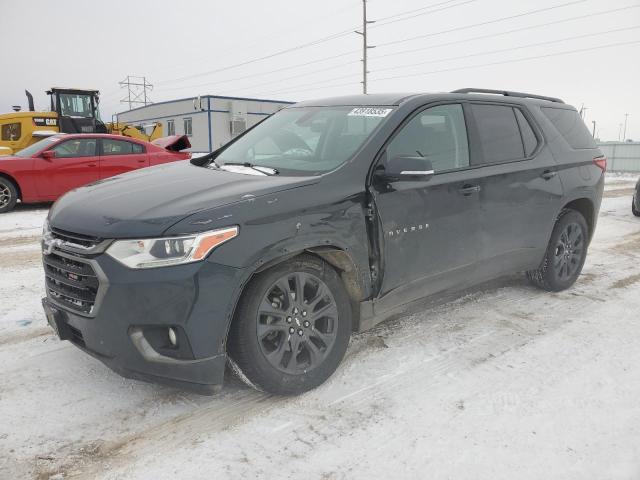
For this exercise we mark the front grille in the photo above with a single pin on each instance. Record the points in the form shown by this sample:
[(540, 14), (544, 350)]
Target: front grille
[(75, 239), (71, 283)]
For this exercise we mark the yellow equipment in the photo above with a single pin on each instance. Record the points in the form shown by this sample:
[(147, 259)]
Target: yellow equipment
[(73, 110)]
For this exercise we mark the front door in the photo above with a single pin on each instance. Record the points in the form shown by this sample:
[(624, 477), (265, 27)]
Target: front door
[(430, 228), (121, 156), (75, 164)]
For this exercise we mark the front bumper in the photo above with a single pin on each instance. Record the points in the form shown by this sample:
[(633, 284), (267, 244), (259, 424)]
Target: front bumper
[(128, 325)]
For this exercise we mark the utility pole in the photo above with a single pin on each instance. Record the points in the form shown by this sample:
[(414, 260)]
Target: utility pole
[(136, 91), (365, 45), (594, 128), (624, 135)]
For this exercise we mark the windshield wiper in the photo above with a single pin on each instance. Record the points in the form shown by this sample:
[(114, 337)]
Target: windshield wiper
[(257, 168)]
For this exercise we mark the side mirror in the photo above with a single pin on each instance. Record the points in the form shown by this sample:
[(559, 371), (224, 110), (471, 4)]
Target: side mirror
[(406, 168), (49, 154)]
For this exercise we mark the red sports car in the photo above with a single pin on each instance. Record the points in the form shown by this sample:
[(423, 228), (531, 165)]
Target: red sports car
[(51, 167)]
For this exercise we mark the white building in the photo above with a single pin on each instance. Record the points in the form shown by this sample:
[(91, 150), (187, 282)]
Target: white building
[(210, 121), (621, 156)]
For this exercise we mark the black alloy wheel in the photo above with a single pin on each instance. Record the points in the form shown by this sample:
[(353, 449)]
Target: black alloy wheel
[(568, 252), (291, 328), (565, 253), (297, 323)]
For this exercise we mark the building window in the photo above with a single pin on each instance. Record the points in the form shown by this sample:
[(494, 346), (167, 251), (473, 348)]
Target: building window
[(171, 127), (188, 127)]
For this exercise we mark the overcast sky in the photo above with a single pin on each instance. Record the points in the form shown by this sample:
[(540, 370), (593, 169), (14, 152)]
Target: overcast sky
[(193, 47)]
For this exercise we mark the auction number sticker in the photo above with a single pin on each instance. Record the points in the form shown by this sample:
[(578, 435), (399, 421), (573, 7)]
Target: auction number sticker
[(370, 112)]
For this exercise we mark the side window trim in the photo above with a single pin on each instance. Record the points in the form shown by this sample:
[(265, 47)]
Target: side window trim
[(477, 151), (379, 157)]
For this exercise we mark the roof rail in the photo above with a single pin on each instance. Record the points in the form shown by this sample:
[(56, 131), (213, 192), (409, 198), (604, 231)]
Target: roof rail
[(507, 93)]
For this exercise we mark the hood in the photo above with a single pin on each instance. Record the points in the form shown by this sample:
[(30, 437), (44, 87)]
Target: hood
[(173, 143), (146, 202)]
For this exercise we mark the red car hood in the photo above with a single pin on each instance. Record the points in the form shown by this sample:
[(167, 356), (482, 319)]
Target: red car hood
[(173, 143)]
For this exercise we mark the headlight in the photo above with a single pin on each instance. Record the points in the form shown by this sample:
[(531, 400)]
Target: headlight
[(162, 252)]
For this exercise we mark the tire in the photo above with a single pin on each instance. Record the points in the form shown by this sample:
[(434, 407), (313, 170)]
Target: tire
[(565, 254), (270, 323), (635, 200), (8, 195)]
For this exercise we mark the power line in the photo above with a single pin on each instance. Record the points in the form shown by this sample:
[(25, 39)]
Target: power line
[(502, 50), (243, 77), (506, 32), (265, 57), (488, 22), (382, 24), (566, 52), (466, 56), (305, 45), (433, 34)]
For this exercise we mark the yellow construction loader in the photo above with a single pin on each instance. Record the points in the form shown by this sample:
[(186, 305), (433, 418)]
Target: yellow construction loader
[(72, 110)]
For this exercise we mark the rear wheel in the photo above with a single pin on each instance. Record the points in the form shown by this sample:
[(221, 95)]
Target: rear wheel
[(291, 328), (8, 195), (565, 254)]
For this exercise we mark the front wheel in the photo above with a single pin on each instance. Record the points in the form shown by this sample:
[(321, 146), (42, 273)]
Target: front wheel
[(8, 195), (565, 254), (634, 210), (291, 327)]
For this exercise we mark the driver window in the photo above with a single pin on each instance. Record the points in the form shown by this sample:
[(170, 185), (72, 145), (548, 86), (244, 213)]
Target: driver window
[(77, 147), (438, 134)]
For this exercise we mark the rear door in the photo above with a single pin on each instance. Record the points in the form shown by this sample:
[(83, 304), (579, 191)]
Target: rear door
[(119, 156), (520, 190), (75, 164), (429, 228)]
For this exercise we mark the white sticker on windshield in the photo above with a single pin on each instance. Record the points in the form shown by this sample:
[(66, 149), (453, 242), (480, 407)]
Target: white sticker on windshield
[(370, 112)]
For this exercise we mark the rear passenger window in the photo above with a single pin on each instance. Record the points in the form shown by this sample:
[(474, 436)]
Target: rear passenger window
[(499, 133), (529, 139), (120, 147), (437, 133), (570, 126)]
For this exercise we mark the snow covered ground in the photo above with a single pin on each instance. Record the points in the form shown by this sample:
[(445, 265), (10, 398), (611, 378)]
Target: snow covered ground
[(499, 382)]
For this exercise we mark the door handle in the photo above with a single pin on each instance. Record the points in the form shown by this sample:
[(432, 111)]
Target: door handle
[(467, 190), (92, 165), (548, 174)]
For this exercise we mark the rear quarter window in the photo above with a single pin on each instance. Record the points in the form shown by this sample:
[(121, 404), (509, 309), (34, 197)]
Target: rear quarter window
[(571, 127)]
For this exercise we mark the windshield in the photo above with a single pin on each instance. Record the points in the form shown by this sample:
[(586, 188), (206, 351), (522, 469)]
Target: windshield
[(75, 105), (305, 140), (36, 147)]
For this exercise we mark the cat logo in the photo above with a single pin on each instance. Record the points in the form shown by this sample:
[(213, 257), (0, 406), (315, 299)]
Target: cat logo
[(413, 228)]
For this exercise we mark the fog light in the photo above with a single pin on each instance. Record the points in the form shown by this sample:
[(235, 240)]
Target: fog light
[(173, 337)]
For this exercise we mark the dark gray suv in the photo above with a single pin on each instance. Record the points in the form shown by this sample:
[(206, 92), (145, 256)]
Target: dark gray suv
[(325, 218)]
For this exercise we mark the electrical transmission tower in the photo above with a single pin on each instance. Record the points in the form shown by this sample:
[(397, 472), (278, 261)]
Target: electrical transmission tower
[(137, 88), (365, 45)]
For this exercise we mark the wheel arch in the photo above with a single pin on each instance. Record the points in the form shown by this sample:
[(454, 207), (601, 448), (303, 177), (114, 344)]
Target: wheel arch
[(586, 208), (336, 256)]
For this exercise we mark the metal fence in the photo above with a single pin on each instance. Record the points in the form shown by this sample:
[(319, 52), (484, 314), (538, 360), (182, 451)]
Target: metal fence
[(622, 156)]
